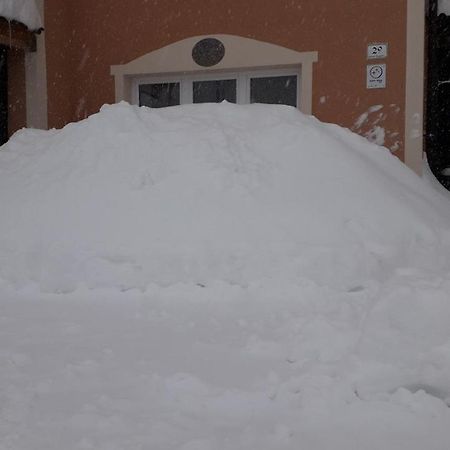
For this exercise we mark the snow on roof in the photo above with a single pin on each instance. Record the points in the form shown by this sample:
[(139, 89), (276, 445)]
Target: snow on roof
[(24, 11)]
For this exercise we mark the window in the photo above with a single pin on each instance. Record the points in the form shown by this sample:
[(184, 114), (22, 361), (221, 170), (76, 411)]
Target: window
[(279, 86), (214, 91), (159, 95), (278, 90)]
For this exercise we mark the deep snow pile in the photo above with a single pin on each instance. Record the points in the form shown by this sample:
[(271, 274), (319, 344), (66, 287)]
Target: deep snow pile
[(292, 282), (135, 196), (24, 11)]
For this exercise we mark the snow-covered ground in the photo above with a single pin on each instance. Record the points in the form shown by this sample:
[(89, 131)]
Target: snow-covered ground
[(220, 277), (25, 11)]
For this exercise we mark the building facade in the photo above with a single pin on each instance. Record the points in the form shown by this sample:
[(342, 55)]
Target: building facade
[(356, 63)]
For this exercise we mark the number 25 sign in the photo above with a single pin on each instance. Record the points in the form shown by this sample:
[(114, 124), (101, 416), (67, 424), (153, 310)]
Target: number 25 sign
[(377, 51)]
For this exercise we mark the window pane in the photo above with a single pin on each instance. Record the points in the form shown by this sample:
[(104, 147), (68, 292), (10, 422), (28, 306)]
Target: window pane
[(159, 95), (214, 91), (275, 90)]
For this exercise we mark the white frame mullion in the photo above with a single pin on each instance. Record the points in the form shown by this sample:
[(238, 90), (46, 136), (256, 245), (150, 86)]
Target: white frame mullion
[(241, 85), (186, 94)]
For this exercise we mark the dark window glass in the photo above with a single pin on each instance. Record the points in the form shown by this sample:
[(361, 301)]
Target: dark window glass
[(275, 90), (159, 95), (214, 91)]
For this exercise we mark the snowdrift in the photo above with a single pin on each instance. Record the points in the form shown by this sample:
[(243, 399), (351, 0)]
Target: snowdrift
[(133, 196), (287, 286)]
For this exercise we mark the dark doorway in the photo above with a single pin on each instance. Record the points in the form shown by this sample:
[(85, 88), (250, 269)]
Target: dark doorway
[(438, 94), (3, 94)]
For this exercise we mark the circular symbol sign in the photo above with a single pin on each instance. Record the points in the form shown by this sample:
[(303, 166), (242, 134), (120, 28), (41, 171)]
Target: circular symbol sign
[(208, 52), (376, 72)]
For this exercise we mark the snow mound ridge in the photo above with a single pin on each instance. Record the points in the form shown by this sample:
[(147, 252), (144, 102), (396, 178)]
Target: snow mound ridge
[(133, 196)]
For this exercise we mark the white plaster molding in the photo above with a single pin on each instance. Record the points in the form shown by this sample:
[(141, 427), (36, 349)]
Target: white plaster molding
[(240, 53)]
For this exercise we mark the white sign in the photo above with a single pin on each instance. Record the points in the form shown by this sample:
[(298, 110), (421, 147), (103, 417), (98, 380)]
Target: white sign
[(376, 76), (377, 51)]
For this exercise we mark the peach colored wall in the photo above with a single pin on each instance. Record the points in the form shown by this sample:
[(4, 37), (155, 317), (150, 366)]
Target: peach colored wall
[(62, 78), (84, 38)]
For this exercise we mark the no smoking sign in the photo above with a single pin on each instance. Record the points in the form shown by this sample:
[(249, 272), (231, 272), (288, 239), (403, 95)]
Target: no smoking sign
[(376, 76)]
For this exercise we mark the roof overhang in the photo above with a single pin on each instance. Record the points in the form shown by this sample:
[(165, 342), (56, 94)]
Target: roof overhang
[(17, 35)]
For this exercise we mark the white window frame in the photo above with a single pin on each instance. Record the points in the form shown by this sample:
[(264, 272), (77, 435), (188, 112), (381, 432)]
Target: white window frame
[(241, 54), (242, 82)]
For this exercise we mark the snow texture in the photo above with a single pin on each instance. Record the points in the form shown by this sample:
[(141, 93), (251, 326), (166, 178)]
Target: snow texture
[(235, 277), (444, 7), (24, 11), (432, 181)]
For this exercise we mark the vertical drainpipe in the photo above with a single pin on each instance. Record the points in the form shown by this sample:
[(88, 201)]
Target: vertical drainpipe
[(415, 67)]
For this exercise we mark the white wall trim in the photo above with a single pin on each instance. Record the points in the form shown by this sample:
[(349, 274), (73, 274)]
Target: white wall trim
[(36, 81), (240, 53), (415, 73)]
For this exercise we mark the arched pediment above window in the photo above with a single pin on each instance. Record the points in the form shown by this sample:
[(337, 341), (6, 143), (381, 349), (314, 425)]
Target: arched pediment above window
[(236, 54)]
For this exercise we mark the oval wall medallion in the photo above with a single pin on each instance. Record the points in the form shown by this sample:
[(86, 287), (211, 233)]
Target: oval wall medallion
[(208, 52)]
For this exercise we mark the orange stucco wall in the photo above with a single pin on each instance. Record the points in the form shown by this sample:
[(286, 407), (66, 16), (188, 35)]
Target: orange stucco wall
[(84, 38)]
